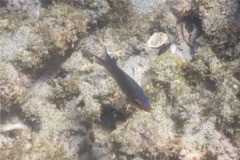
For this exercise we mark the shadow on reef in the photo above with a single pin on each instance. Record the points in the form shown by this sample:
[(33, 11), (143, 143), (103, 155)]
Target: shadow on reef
[(195, 78), (227, 52), (2, 4), (191, 28), (110, 117), (237, 75)]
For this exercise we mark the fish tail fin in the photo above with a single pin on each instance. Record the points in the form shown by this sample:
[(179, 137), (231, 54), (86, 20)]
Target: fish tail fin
[(99, 60), (104, 58)]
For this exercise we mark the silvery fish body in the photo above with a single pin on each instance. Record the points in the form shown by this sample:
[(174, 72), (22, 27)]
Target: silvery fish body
[(130, 88)]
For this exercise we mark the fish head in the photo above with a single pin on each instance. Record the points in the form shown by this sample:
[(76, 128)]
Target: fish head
[(142, 103)]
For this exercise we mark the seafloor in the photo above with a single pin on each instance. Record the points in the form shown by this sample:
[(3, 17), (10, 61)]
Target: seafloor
[(57, 103)]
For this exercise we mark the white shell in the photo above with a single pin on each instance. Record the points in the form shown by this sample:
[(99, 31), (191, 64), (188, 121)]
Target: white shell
[(173, 48), (157, 40)]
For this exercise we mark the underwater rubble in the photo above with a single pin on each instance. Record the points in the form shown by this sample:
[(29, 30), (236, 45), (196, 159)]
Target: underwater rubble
[(57, 103)]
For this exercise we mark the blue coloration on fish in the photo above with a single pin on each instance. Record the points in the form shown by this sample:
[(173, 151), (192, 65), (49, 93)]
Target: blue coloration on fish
[(130, 88)]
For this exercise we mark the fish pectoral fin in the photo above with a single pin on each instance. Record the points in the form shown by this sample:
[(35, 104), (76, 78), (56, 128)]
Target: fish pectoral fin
[(137, 102)]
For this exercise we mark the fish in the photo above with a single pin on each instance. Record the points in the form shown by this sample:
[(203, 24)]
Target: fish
[(134, 93)]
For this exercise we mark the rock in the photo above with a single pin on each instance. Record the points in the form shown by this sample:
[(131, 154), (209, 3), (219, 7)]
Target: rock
[(220, 24), (146, 7), (181, 8)]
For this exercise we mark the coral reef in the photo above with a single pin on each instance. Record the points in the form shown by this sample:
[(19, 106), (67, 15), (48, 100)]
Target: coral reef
[(13, 85), (220, 26), (56, 103)]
